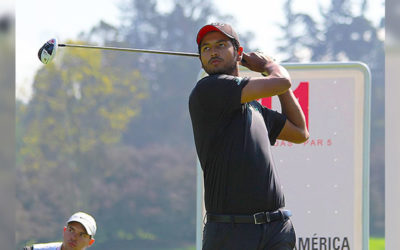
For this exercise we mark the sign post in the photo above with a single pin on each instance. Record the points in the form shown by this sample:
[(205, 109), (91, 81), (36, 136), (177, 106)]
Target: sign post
[(326, 179)]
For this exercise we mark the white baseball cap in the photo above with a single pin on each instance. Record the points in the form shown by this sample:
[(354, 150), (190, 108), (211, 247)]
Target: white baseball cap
[(86, 220)]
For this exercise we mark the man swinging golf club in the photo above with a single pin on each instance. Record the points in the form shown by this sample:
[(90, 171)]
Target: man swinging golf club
[(233, 135)]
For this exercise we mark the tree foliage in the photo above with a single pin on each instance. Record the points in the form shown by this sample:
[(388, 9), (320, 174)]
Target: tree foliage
[(109, 133), (79, 108), (79, 105), (170, 78)]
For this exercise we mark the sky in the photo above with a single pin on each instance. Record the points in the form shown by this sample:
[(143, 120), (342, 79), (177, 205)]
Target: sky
[(37, 21)]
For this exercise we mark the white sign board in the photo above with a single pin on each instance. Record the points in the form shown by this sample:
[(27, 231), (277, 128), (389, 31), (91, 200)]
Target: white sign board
[(326, 179)]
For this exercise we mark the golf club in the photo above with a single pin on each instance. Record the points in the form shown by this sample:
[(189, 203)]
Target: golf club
[(49, 49)]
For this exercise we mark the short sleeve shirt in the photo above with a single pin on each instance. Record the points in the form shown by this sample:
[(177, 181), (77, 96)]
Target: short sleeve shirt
[(233, 143)]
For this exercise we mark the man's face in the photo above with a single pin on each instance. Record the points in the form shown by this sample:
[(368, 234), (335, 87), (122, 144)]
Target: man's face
[(218, 55), (75, 237)]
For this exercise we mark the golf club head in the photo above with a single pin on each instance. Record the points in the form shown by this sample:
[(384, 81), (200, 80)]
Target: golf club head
[(48, 51)]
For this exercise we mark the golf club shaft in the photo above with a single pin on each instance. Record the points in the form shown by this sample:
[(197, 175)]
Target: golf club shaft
[(131, 50)]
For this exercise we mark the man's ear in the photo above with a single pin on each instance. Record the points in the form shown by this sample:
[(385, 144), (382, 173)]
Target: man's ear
[(240, 54), (91, 242)]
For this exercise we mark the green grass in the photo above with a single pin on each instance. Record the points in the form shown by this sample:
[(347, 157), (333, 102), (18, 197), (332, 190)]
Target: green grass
[(187, 248), (376, 243)]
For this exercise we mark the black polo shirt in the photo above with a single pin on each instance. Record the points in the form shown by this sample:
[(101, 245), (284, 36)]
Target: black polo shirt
[(233, 143)]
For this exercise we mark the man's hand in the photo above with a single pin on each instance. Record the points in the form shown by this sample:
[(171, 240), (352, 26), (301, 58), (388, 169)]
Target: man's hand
[(277, 81), (256, 61)]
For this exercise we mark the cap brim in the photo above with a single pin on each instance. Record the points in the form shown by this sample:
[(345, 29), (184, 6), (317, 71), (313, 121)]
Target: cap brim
[(206, 29)]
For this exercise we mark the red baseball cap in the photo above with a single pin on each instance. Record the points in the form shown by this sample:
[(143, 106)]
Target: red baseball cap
[(224, 28)]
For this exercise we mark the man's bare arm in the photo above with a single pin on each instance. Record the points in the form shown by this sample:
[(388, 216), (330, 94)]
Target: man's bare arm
[(277, 82), (295, 129)]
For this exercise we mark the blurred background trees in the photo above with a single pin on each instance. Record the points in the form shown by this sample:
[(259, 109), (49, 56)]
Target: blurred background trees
[(110, 133), (7, 132)]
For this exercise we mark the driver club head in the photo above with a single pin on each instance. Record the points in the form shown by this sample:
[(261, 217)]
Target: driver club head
[(48, 51)]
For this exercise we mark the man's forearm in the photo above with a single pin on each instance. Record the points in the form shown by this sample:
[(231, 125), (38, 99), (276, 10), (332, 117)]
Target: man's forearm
[(292, 109), (273, 69), (290, 106)]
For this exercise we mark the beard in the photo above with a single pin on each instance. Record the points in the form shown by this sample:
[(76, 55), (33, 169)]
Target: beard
[(228, 68)]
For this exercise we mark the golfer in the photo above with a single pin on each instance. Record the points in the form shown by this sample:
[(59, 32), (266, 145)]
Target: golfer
[(78, 234), (233, 134)]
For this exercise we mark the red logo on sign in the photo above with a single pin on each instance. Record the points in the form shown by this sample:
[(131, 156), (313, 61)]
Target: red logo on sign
[(302, 95)]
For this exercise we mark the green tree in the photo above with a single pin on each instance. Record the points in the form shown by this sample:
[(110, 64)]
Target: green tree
[(170, 78), (145, 199), (7, 121), (343, 35), (80, 108), (122, 152)]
